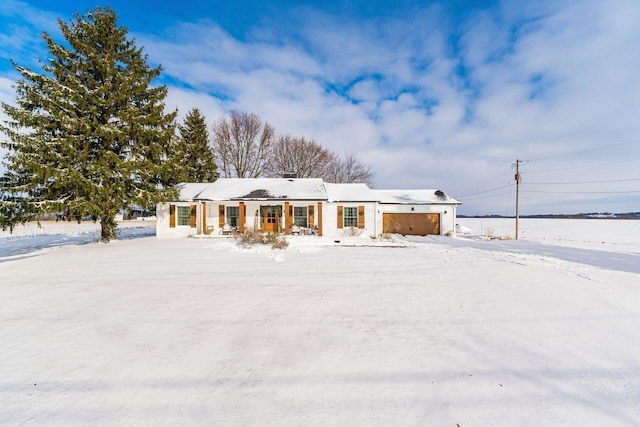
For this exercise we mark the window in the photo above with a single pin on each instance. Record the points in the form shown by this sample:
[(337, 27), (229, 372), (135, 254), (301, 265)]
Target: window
[(232, 215), (351, 217), (300, 216), (271, 216), (184, 215)]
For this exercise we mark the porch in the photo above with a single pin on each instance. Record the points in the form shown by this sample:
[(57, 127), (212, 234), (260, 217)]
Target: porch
[(229, 218)]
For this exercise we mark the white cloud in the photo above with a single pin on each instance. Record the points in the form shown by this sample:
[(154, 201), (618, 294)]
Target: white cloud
[(366, 90), (21, 32), (537, 82), (185, 100)]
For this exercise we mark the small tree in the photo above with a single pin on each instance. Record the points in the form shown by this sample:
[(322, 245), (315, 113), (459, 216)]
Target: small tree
[(89, 135), (242, 145), (303, 157), (196, 162)]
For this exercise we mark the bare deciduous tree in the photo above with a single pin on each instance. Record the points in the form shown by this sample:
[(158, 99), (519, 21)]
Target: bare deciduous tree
[(242, 145), (303, 157), (349, 169)]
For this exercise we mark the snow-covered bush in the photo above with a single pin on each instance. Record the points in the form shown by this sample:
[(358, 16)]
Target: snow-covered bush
[(253, 237), (352, 232)]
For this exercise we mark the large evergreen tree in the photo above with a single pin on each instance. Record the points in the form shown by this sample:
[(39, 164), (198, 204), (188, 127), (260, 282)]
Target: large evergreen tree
[(196, 162), (14, 208), (89, 135)]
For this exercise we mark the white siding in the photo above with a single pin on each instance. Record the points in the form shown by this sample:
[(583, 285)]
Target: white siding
[(163, 230), (330, 220)]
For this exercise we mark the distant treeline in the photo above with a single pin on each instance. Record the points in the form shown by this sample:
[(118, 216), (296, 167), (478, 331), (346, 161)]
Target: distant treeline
[(593, 215)]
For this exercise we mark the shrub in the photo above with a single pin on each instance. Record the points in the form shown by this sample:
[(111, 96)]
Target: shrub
[(248, 238), (253, 237), (352, 232), (279, 243)]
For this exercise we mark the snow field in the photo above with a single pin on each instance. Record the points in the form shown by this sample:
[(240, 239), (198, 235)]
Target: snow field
[(613, 234), (69, 228), (437, 331)]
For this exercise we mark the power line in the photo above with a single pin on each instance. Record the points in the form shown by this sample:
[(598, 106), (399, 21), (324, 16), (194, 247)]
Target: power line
[(583, 166), (482, 194), (586, 151), (506, 210), (581, 192), (485, 191), (581, 182), (488, 197)]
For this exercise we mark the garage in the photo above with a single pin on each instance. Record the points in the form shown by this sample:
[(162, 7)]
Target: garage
[(411, 224)]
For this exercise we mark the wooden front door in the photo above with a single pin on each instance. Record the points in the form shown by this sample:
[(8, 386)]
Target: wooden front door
[(270, 219)]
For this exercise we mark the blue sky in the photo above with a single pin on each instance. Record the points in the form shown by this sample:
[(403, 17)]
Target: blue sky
[(431, 94)]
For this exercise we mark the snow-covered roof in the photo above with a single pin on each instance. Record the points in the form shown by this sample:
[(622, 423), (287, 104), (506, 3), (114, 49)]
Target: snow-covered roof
[(414, 197), (189, 190), (349, 193), (305, 189), (260, 189)]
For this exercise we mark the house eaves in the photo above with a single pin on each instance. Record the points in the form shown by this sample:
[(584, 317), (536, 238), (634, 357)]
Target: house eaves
[(415, 197), (246, 189)]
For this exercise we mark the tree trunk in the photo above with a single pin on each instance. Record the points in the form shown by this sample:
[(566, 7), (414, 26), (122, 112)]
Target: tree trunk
[(107, 227)]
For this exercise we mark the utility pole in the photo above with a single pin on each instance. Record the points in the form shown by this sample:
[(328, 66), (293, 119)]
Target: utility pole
[(517, 166)]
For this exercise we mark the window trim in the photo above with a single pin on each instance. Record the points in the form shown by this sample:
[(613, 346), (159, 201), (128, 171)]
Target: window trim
[(352, 219), (303, 217), (180, 218), (229, 217)]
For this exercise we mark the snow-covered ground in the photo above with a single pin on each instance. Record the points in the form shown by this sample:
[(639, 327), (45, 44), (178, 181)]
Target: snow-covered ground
[(617, 235), (439, 331), (34, 236)]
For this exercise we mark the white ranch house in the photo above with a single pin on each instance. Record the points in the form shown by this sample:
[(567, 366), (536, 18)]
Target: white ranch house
[(303, 206)]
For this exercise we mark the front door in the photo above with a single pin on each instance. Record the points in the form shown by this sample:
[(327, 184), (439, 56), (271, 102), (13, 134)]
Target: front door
[(270, 219)]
